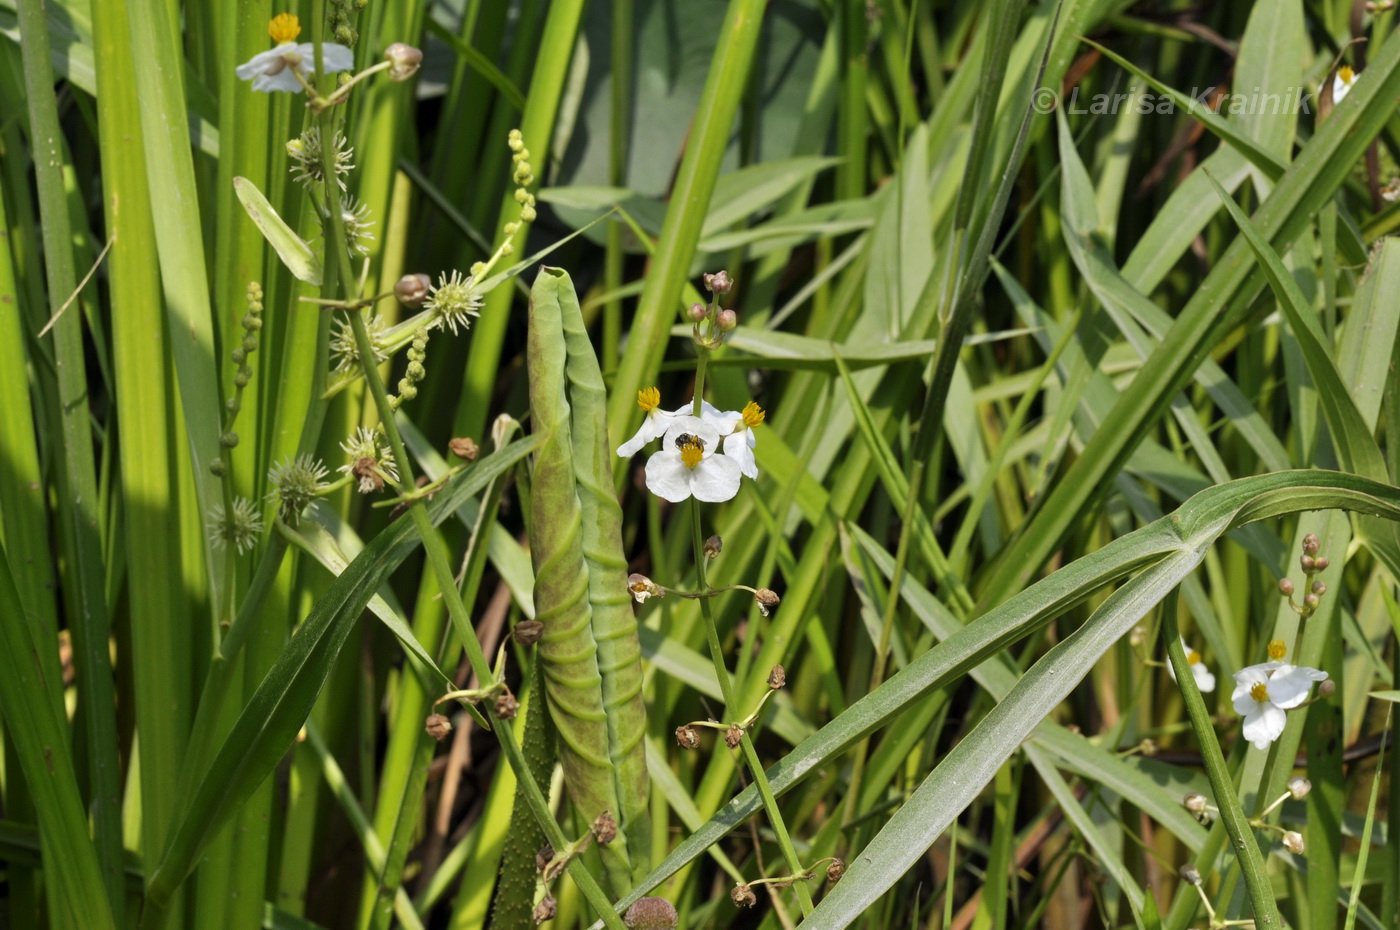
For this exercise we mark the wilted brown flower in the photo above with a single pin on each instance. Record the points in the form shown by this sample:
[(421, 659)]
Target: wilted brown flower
[(767, 600), (546, 909), (605, 828), (777, 677), (742, 896), (464, 447), (733, 737), (506, 705), (835, 870), (438, 727), (651, 914), (528, 632), (687, 737)]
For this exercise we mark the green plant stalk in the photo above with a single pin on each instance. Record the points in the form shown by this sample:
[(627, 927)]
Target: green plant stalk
[(1358, 879), (685, 215), (770, 804), (88, 616), (1222, 785), (621, 74), (437, 558)]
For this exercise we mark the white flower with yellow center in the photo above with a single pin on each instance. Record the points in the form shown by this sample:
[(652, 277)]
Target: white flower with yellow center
[(277, 68), (654, 424), (686, 465), (736, 431), (1341, 84), (1261, 696), (1205, 679)]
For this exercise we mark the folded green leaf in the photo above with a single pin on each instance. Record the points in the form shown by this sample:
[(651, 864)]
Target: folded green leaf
[(295, 253)]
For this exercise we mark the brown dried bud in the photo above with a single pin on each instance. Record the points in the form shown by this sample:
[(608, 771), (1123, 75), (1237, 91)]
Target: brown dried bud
[(366, 471), (506, 705), (464, 447), (835, 870), (742, 896), (546, 909), (1298, 787), (605, 828), (643, 587), (528, 632), (712, 546), (1327, 689), (687, 737), (1311, 544), (733, 737), (404, 59), (718, 283), (1190, 875), (412, 289), (438, 727), (767, 600), (777, 678), (544, 857), (1293, 842), (651, 914), (1285, 587)]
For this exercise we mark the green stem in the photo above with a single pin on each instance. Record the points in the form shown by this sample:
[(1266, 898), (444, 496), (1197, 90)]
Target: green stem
[(697, 403), (726, 689), (1256, 880)]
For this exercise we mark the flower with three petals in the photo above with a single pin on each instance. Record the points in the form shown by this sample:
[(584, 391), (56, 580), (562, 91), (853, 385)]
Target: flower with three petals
[(1205, 679), (1262, 695), (1341, 84), (687, 466), (277, 68)]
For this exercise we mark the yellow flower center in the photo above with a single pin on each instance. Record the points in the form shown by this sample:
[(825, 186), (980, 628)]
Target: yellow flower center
[(753, 414), (649, 399), (284, 27), (1277, 650), (692, 451), (1193, 658), (1346, 74), (1259, 692)]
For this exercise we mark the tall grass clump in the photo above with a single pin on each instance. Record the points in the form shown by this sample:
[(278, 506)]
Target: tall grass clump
[(648, 464)]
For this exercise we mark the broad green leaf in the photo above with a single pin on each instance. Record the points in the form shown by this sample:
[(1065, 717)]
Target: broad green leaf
[(294, 251)]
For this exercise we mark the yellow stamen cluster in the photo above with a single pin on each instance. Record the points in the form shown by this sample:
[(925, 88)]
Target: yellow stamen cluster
[(753, 414), (692, 451), (1259, 692), (1346, 74), (649, 399), (284, 27), (1193, 658), (1277, 649)]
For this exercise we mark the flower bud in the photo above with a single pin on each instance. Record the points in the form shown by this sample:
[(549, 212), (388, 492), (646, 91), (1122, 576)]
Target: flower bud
[(651, 914), (1190, 875), (1320, 564), (1309, 565), (1319, 588), (1310, 601), (605, 828), (742, 896), (1311, 544), (777, 677), (1299, 787), (836, 870), (687, 738), (733, 737), (767, 600), (713, 545), (1327, 689), (546, 909), (543, 857), (1285, 587), (1138, 636), (1147, 747), (698, 313), (718, 283), (464, 448), (412, 289), (527, 632), (228, 440), (1195, 803), (438, 727), (727, 321), (1293, 842), (506, 705), (643, 587), (404, 60)]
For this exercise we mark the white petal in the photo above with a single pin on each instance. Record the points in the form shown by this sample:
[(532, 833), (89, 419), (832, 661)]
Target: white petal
[(653, 424), (1254, 673), (1290, 685), (715, 479), (1264, 725), (334, 57), (1244, 704), (261, 62), (680, 425), (1340, 89), (1171, 669), (740, 451), (1204, 679), (284, 80), (667, 476)]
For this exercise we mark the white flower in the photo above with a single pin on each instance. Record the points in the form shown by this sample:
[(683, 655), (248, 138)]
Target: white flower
[(654, 424), (1261, 696), (1205, 680), (736, 427), (1341, 84), (277, 68), (687, 465)]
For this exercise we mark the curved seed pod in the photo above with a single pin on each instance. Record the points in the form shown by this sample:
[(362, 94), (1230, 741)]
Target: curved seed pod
[(573, 684), (614, 624)]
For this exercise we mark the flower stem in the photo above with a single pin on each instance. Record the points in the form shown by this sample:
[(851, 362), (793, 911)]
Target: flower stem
[(1261, 894), (726, 689)]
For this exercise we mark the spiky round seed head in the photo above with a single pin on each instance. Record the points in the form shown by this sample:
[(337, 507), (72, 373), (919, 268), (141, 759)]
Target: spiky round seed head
[(742, 896), (464, 447), (836, 870), (412, 289), (1285, 587), (777, 677), (1293, 842), (438, 727), (687, 738), (651, 914), (1298, 787), (528, 632)]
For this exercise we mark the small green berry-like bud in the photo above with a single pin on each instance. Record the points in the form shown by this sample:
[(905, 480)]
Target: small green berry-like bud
[(1310, 601), (1309, 565), (405, 60), (1285, 587), (242, 378), (228, 440), (527, 214), (218, 468), (1320, 564), (1319, 588), (238, 356), (651, 914)]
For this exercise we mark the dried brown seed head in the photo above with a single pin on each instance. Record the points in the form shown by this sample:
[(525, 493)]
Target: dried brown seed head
[(605, 828), (777, 677), (651, 914), (543, 857), (506, 705), (687, 737), (767, 600), (742, 896), (733, 737), (836, 870), (546, 909), (528, 632), (438, 727), (464, 447)]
